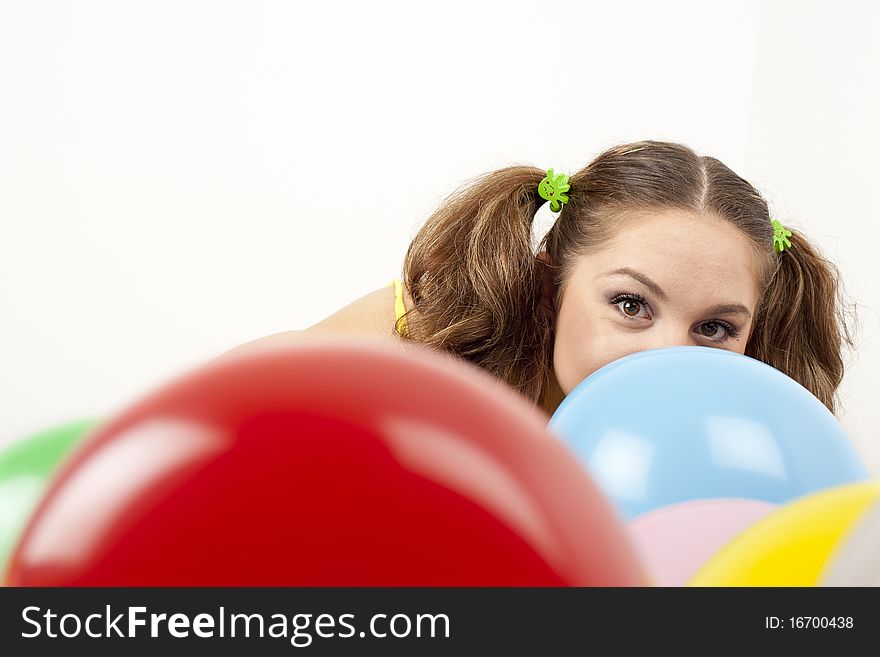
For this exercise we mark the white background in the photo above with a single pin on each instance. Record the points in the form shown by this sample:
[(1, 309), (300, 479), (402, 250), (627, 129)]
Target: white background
[(177, 178)]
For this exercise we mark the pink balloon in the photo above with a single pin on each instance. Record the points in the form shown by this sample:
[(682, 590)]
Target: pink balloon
[(674, 541)]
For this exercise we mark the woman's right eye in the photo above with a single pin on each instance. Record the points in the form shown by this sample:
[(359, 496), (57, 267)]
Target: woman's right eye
[(631, 306)]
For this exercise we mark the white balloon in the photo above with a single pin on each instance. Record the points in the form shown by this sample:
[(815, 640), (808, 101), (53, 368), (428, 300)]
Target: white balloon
[(856, 562)]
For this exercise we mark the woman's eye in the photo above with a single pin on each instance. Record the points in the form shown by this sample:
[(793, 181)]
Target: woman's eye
[(718, 331), (632, 308), (710, 329)]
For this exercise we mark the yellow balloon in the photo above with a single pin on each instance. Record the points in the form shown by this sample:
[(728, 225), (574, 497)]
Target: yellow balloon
[(791, 546)]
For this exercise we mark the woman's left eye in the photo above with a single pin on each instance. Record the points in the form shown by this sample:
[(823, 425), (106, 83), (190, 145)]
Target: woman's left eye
[(712, 329)]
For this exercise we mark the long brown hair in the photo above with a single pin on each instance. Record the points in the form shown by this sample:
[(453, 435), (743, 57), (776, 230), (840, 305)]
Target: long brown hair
[(477, 287)]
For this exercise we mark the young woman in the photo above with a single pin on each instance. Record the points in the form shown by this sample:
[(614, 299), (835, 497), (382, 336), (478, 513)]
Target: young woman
[(654, 246)]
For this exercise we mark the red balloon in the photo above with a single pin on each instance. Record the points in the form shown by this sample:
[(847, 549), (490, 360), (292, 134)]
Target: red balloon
[(326, 463)]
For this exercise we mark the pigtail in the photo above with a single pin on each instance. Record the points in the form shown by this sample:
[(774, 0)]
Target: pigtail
[(474, 282), (802, 323)]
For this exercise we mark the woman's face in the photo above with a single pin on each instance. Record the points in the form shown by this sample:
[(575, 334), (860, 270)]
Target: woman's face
[(667, 279)]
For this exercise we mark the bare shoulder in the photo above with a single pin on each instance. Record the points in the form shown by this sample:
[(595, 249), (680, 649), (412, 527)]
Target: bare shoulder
[(371, 315)]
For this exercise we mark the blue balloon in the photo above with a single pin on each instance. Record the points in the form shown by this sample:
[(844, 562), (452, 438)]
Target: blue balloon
[(684, 423)]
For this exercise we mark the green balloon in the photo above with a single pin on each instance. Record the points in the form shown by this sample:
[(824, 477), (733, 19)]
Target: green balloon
[(26, 467)]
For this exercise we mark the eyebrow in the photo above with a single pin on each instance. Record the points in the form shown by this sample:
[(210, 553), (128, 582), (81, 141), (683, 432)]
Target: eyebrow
[(720, 309)]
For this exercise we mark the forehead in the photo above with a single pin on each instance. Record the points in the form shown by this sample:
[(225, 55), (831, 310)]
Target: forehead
[(689, 256)]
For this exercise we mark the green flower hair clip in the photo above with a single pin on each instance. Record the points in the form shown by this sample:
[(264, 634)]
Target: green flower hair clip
[(780, 237), (552, 188)]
